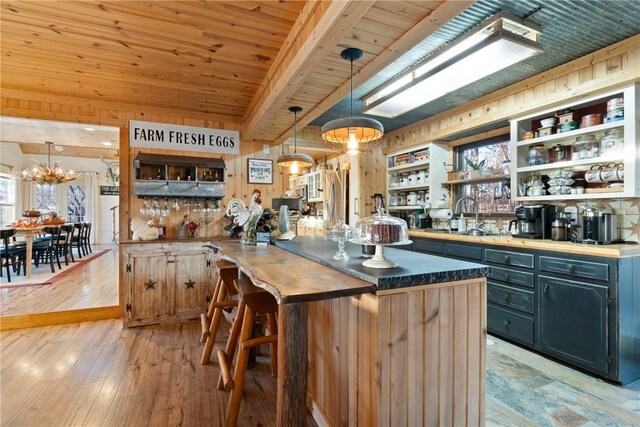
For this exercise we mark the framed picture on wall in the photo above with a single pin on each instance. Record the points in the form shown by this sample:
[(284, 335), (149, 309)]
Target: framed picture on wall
[(260, 171)]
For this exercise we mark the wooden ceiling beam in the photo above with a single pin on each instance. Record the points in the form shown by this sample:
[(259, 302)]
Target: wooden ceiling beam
[(72, 151), (305, 48), (428, 25)]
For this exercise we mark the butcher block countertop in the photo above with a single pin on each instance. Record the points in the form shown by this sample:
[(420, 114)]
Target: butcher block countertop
[(289, 277), (609, 251)]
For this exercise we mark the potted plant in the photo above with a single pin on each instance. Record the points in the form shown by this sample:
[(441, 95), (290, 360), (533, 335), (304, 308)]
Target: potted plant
[(474, 168)]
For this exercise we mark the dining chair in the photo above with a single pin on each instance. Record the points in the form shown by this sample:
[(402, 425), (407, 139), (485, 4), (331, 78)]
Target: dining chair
[(11, 255), (86, 240), (76, 239), (46, 249), (63, 245)]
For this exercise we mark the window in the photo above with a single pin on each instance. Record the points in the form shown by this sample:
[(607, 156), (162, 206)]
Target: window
[(76, 202), (493, 197), (7, 199), (46, 198)]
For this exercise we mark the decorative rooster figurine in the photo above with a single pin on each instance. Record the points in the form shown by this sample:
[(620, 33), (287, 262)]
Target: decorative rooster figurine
[(245, 217)]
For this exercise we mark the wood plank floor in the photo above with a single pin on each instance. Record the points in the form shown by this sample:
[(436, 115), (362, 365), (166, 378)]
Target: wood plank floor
[(93, 285), (98, 374)]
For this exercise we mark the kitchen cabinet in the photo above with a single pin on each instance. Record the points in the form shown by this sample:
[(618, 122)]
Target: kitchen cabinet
[(626, 156), (315, 183), (574, 322), (166, 282), (159, 175), (420, 169), (580, 309)]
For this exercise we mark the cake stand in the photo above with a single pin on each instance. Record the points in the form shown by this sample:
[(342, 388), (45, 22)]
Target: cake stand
[(379, 260)]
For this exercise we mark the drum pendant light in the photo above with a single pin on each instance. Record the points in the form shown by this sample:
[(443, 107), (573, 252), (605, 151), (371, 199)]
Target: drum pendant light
[(352, 135), (295, 161)]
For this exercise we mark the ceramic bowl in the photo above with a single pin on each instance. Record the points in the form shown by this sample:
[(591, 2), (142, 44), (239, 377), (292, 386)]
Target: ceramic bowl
[(548, 122)]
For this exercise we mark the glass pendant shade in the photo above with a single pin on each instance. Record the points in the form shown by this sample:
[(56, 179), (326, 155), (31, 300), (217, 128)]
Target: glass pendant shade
[(352, 135), (46, 174), (295, 161)]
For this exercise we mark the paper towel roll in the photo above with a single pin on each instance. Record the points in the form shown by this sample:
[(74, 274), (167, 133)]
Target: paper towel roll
[(441, 213)]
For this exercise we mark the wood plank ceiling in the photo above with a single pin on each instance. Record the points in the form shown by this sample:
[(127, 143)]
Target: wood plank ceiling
[(243, 61)]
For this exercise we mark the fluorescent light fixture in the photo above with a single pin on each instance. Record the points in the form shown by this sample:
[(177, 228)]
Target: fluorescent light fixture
[(89, 129), (106, 144), (497, 43)]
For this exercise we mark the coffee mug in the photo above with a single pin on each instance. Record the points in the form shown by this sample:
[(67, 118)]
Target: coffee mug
[(594, 176)]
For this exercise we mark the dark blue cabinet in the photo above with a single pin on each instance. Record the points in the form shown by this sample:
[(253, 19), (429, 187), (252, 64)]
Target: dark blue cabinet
[(574, 325), (583, 310)]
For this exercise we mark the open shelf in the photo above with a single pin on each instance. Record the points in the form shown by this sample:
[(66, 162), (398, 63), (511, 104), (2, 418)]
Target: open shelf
[(421, 164), (571, 163), (484, 179), (571, 134), (404, 188)]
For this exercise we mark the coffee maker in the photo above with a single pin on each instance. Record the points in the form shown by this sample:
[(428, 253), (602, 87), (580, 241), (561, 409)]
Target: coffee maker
[(534, 221), (598, 227)]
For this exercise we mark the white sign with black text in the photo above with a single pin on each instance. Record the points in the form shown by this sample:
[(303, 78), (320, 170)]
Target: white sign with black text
[(175, 137)]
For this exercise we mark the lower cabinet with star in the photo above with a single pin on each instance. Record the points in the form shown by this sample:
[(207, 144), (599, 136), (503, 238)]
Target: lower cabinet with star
[(166, 282)]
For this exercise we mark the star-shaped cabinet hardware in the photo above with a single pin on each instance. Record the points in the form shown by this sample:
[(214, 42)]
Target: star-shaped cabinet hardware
[(189, 284), (150, 284)]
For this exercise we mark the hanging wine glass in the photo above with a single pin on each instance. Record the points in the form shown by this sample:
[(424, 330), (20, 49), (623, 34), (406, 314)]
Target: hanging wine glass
[(216, 206), (176, 205), (197, 207), (166, 211), (187, 207), (206, 216), (144, 208), (155, 209)]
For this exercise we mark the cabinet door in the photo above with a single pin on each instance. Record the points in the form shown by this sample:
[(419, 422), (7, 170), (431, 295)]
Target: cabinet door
[(573, 320), (146, 288), (192, 282)]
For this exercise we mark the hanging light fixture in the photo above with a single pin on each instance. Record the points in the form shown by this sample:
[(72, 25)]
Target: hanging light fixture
[(45, 174), (352, 135), (295, 161)]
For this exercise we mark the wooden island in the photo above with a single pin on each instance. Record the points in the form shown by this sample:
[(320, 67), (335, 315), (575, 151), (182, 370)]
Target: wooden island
[(358, 346)]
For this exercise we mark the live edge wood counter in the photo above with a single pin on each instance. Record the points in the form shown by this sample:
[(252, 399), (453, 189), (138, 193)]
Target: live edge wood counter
[(413, 355)]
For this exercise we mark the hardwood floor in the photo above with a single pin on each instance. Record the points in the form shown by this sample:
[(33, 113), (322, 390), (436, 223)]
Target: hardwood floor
[(98, 374), (93, 285)]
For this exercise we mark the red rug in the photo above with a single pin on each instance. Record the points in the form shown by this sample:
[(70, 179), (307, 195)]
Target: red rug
[(20, 281)]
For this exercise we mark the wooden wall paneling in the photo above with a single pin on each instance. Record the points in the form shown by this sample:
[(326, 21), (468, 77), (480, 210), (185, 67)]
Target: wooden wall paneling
[(432, 340), (398, 346), (416, 336)]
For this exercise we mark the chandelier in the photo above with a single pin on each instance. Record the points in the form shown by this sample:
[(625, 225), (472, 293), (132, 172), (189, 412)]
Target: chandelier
[(45, 174), (352, 135), (295, 161)]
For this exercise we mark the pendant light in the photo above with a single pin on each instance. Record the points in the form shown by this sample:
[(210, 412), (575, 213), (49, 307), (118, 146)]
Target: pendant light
[(295, 161), (45, 174), (352, 135)]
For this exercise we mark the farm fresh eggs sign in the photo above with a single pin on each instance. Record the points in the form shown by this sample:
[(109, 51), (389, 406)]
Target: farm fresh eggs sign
[(175, 137)]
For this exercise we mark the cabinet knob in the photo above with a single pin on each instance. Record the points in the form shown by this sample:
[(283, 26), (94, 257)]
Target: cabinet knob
[(506, 324), (507, 259), (571, 268)]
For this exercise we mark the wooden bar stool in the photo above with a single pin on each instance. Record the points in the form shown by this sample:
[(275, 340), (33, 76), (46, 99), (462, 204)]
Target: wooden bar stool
[(223, 291), (255, 304)]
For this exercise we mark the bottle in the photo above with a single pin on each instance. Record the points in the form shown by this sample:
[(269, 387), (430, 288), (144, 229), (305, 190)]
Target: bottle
[(454, 224), (162, 228), (159, 175), (462, 225)]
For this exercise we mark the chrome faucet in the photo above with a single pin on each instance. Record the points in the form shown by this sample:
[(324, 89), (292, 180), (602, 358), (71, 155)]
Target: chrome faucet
[(476, 231)]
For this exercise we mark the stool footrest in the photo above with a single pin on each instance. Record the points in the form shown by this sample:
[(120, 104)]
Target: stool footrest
[(204, 325), (259, 341), (225, 371)]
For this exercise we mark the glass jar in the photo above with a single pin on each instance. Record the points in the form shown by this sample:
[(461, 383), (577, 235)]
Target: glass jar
[(412, 198), (421, 199), (394, 180), (421, 177), (612, 143), (404, 179), (537, 155), (402, 199), (393, 199), (586, 147)]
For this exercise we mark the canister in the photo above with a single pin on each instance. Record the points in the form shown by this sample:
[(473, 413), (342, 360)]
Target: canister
[(421, 177), (393, 199), (394, 180), (612, 143), (412, 178), (404, 179), (421, 197), (412, 198), (402, 199), (614, 104), (586, 147)]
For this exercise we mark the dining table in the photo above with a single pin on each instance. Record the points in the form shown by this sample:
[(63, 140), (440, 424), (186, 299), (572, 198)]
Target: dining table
[(28, 234)]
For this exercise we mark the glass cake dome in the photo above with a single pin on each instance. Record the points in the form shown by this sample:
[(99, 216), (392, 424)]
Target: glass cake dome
[(381, 229)]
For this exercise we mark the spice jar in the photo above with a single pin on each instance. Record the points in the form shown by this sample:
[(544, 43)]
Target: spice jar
[(586, 147), (537, 155), (612, 143)]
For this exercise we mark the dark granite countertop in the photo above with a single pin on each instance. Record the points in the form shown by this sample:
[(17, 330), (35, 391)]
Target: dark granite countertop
[(413, 268)]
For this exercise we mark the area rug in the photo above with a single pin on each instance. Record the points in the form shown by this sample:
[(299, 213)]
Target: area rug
[(42, 274)]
